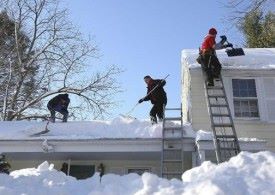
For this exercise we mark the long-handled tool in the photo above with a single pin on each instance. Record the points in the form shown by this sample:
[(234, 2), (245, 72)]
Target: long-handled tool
[(127, 115)]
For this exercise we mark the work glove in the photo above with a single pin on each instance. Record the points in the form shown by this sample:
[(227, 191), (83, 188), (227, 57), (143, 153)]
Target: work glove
[(224, 39), (140, 101)]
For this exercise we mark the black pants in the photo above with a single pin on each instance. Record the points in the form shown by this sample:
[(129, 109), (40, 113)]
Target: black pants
[(157, 111), (64, 112), (211, 66)]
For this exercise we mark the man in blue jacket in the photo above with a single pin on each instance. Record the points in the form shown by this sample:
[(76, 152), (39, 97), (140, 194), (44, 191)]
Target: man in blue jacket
[(59, 104)]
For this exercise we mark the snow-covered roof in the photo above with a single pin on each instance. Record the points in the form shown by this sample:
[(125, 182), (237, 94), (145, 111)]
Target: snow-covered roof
[(119, 127), (254, 59), (247, 173)]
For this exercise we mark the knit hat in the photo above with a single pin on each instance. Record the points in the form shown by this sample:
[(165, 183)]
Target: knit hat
[(212, 31)]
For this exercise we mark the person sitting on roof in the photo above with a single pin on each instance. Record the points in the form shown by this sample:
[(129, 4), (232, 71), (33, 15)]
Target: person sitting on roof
[(209, 60), (59, 104)]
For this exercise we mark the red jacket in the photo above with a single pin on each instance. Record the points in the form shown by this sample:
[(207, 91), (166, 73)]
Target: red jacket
[(208, 43)]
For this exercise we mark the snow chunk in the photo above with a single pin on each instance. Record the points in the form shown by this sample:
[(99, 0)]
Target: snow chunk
[(45, 167), (204, 135), (254, 58)]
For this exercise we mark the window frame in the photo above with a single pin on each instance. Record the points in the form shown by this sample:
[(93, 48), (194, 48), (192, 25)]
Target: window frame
[(138, 168), (257, 98)]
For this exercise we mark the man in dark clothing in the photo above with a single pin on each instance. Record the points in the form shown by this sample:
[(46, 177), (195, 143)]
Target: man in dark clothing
[(157, 96), (59, 104)]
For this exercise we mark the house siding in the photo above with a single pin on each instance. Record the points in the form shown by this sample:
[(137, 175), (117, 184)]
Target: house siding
[(261, 129)]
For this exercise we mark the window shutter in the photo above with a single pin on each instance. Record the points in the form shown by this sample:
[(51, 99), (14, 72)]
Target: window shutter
[(269, 93)]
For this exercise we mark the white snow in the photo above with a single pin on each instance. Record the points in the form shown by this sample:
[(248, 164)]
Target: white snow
[(204, 135), (246, 173), (120, 127), (208, 135), (254, 58)]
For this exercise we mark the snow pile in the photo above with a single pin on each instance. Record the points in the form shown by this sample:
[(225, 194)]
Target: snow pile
[(120, 127), (208, 135), (246, 173), (117, 128), (254, 58), (204, 135)]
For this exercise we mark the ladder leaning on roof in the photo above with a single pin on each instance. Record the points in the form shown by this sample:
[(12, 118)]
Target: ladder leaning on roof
[(225, 137), (172, 146)]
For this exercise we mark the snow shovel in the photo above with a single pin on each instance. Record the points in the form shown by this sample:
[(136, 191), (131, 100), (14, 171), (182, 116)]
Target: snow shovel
[(127, 115), (232, 51), (235, 52)]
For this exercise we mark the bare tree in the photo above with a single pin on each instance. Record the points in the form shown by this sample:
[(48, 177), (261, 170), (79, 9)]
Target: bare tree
[(239, 8), (51, 60)]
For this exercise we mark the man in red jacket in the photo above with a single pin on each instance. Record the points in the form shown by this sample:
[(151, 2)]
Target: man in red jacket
[(210, 62)]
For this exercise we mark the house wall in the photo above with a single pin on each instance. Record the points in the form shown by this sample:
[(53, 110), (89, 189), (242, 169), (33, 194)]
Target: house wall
[(111, 166), (262, 128), (199, 116)]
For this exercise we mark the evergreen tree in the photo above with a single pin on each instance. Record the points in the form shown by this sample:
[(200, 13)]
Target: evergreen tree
[(259, 30)]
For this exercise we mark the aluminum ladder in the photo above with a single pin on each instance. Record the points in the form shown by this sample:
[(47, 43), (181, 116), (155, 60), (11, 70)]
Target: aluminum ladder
[(172, 145), (225, 137)]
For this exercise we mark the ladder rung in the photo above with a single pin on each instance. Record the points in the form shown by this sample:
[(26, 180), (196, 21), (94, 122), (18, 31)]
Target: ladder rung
[(172, 149), (220, 115), (172, 161), (172, 108), (226, 136), (173, 119), (172, 138), (172, 128), (216, 96), (218, 105), (223, 125), (227, 148)]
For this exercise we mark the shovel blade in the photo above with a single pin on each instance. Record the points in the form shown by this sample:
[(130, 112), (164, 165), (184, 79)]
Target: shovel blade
[(235, 52)]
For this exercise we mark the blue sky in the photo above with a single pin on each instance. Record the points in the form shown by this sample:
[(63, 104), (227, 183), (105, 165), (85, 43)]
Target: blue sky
[(145, 37)]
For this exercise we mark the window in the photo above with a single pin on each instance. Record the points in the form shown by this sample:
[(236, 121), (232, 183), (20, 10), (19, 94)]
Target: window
[(82, 171), (139, 171), (245, 98)]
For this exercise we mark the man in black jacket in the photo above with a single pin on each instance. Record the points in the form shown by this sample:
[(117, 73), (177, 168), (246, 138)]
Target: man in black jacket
[(157, 96), (59, 104)]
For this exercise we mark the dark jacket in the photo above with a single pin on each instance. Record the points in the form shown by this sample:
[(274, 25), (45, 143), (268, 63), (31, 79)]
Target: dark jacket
[(158, 96), (60, 101)]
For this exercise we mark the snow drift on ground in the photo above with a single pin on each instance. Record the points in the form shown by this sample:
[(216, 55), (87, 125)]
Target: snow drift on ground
[(254, 58), (246, 173), (119, 127)]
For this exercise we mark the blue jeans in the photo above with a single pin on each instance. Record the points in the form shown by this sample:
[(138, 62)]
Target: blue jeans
[(59, 109)]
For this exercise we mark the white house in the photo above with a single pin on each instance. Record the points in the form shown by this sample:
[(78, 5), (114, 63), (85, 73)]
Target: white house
[(128, 145), (249, 83)]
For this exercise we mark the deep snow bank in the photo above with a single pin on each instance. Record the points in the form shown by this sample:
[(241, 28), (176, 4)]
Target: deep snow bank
[(245, 174)]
